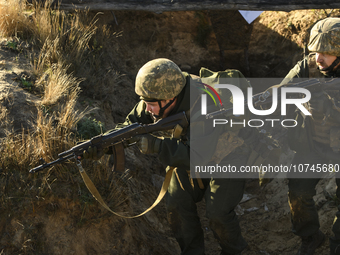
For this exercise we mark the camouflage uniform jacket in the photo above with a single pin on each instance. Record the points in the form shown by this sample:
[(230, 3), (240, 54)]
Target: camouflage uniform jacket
[(313, 132)]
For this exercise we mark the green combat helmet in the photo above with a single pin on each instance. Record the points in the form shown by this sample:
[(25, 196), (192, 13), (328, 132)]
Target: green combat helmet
[(159, 79), (325, 37)]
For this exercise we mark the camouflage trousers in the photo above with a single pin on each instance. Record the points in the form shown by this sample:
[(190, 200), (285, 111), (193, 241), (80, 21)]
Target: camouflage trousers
[(304, 215), (221, 197)]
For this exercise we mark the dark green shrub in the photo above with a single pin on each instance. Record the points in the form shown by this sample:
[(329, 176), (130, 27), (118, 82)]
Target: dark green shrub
[(88, 128)]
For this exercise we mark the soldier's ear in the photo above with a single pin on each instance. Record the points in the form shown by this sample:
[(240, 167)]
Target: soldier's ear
[(174, 100), (168, 100)]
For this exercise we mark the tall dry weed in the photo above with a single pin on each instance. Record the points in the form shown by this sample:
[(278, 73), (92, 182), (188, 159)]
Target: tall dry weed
[(48, 23), (65, 49), (47, 55), (72, 38), (14, 19), (50, 134), (66, 34), (63, 37), (57, 83)]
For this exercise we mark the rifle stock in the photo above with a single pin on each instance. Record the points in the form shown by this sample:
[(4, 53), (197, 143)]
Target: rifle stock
[(118, 137)]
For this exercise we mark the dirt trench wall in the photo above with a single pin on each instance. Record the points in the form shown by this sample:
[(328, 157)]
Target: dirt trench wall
[(214, 39)]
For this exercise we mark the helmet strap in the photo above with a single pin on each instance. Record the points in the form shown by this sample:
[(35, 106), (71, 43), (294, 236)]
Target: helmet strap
[(331, 67), (162, 109)]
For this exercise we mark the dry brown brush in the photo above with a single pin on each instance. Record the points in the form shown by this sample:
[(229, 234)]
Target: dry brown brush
[(67, 50)]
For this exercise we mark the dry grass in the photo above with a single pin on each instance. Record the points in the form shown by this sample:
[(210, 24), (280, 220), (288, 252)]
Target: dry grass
[(64, 37), (51, 132), (14, 19), (76, 40), (58, 84), (53, 129), (69, 53), (64, 49)]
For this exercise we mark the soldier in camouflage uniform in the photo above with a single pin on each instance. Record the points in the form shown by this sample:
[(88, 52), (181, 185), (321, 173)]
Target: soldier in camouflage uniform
[(312, 138), (165, 90)]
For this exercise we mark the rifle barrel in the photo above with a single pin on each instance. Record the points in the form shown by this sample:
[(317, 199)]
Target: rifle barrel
[(43, 166)]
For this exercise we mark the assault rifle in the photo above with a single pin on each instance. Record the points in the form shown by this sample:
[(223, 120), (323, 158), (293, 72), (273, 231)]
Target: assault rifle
[(264, 98), (119, 139)]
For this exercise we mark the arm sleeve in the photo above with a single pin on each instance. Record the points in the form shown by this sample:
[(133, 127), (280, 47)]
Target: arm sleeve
[(197, 150), (137, 115), (300, 70)]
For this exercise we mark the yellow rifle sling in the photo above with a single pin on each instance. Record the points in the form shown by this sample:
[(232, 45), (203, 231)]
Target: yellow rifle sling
[(92, 188)]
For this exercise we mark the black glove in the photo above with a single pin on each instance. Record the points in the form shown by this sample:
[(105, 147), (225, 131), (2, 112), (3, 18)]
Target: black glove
[(147, 144), (94, 153)]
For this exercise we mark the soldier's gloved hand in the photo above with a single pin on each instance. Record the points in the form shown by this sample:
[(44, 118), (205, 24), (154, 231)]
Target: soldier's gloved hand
[(320, 102), (94, 153), (147, 144)]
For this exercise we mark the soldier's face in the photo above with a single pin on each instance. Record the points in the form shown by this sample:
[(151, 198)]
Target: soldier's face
[(324, 60), (153, 107)]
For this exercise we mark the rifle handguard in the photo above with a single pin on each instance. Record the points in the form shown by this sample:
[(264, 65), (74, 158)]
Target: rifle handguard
[(118, 138)]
